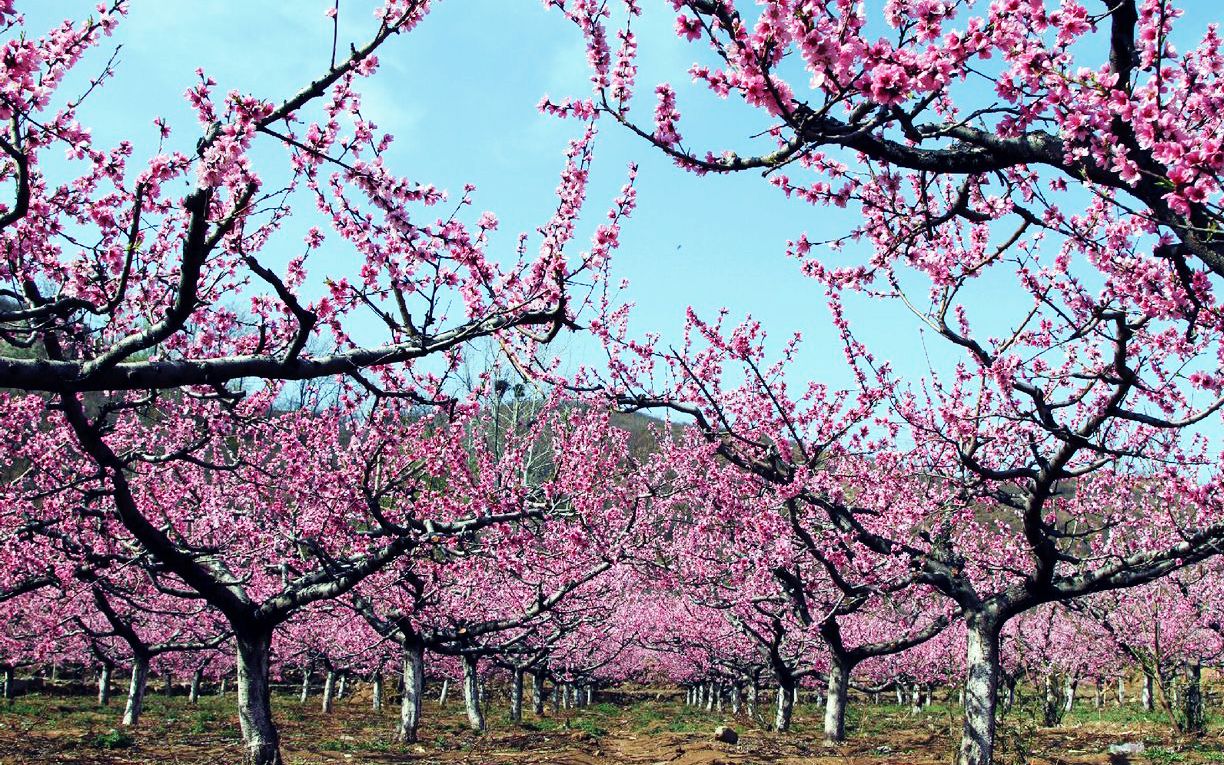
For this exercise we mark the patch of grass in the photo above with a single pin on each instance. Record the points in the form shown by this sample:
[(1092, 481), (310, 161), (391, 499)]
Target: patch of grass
[(201, 721), (693, 721), (25, 707), (112, 739), (1162, 754), (293, 713), (543, 724), (1127, 715), (588, 726)]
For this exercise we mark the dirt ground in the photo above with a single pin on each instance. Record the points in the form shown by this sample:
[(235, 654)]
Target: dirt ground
[(641, 730)]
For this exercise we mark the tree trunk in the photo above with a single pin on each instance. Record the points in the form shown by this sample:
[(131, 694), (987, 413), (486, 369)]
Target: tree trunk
[(1098, 700), (414, 689), (259, 734), (1148, 695), (329, 691), (516, 695), (1052, 710), (915, 699), (168, 689), (445, 692), (710, 693), (899, 689), (197, 677), (377, 682), (104, 682), (754, 695), (981, 687), (342, 686), (305, 694), (537, 692), (718, 697), (136, 691), (786, 705), (221, 690), (1194, 723), (835, 702), (736, 695), (1069, 695), (1121, 691), (6, 683), (471, 693)]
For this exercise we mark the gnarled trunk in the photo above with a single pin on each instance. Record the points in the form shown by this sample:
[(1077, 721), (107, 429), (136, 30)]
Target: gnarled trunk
[(786, 705), (259, 735), (835, 702), (471, 693), (981, 686), (136, 691), (414, 688)]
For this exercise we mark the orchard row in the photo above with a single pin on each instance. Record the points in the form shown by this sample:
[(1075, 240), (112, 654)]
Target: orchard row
[(234, 444)]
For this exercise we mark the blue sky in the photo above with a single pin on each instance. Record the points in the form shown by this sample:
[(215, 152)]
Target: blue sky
[(460, 95)]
